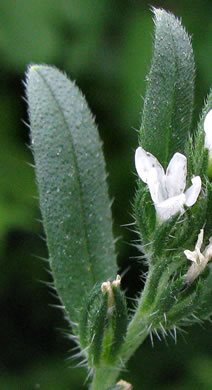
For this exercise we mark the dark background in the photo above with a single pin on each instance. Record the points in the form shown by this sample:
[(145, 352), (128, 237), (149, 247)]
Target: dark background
[(105, 45)]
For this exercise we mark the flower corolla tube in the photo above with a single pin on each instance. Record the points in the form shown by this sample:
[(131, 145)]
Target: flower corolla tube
[(167, 190)]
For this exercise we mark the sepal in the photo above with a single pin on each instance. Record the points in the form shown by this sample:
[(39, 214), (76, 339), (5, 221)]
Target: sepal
[(163, 235), (119, 322), (145, 216), (168, 296), (98, 329), (92, 322), (193, 302), (182, 309)]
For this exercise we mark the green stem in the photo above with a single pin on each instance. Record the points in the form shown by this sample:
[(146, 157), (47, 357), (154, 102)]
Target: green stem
[(140, 325), (104, 377)]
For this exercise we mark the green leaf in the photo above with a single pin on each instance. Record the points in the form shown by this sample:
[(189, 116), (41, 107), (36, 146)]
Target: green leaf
[(168, 104), (72, 186)]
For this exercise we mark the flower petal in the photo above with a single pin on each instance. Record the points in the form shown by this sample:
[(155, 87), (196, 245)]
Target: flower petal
[(170, 207), (144, 162), (208, 130), (156, 186), (199, 240), (191, 255), (176, 175), (193, 192)]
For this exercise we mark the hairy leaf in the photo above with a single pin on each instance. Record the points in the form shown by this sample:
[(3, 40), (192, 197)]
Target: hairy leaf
[(168, 104), (71, 178)]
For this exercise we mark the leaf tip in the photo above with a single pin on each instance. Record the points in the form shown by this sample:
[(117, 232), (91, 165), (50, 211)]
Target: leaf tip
[(35, 68), (32, 67), (158, 12)]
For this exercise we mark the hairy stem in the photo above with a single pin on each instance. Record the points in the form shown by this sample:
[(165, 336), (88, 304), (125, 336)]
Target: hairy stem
[(104, 377)]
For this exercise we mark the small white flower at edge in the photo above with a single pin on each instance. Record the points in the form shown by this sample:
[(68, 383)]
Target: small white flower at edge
[(167, 189), (199, 260), (208, 131)]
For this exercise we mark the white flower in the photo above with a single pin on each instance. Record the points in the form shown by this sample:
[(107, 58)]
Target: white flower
[(200, 260), (167, 189), (208, 131)]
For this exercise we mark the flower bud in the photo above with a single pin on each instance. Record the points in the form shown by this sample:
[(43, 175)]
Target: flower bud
[(104, 320)]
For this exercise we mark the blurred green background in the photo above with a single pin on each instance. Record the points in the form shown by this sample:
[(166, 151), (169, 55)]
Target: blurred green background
[(105, 45)]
